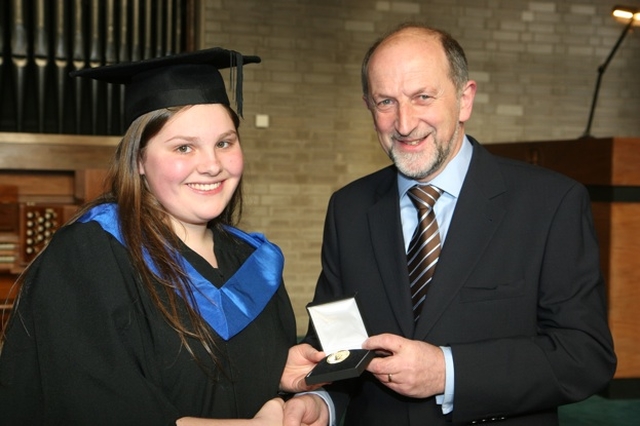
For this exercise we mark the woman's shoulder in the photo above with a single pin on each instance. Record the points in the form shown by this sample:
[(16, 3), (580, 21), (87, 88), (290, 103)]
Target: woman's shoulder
[(79, 246), (81, 259), (78, 236)]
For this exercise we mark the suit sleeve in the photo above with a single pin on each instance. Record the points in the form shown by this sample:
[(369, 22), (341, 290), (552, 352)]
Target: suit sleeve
[(65, 359), (328, 288), (571, 356)]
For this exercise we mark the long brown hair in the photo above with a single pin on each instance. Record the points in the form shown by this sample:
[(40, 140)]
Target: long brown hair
[(145, 226)]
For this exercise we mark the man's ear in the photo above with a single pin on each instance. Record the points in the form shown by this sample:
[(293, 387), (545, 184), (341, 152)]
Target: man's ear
[(466, 100), (365, 99)]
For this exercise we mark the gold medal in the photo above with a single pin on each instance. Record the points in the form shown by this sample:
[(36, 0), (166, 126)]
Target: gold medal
[(338, 357)]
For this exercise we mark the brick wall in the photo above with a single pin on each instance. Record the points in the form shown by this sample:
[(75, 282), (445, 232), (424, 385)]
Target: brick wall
[(535, 63)]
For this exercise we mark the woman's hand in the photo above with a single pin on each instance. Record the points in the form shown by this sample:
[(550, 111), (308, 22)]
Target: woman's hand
[(302, 358), (271, 414)]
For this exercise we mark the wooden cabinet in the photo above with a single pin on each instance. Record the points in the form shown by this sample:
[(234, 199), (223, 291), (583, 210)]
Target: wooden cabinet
[(43, 179), (610, 168)]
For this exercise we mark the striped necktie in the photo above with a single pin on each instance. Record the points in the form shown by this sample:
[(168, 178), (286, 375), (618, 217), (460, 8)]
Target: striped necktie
[(424, 248)]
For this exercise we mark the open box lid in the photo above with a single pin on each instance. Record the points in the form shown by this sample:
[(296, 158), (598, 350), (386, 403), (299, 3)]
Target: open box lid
[(338, 325)]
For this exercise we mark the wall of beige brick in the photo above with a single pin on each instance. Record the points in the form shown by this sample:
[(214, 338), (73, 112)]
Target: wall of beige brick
[(535, 63)]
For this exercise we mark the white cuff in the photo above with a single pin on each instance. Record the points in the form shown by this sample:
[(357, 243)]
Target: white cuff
[(446, 399)]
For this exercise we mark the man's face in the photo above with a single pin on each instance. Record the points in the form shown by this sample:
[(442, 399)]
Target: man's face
[(417, 111)]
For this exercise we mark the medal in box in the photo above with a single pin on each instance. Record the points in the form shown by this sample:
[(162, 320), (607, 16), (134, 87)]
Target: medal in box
[(341, 332)]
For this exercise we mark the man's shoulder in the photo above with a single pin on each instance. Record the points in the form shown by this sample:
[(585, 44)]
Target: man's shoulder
[(367, 190), (379, 180)]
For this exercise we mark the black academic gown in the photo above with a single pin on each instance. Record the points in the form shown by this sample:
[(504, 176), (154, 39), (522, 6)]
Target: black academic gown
[(88, 347)]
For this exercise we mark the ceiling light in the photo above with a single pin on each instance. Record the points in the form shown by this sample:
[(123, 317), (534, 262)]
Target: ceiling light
[(626, 12)]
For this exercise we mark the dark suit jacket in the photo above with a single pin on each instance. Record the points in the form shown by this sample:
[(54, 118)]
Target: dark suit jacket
[(517, 294)]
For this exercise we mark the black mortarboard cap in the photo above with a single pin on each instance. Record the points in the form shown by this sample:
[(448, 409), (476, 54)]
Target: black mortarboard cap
[(183, 79)]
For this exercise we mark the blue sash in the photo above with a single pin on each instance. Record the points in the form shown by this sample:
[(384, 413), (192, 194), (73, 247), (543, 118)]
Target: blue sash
[(229, 309)]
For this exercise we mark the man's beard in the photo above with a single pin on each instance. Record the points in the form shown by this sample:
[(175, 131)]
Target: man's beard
[(418, 166)]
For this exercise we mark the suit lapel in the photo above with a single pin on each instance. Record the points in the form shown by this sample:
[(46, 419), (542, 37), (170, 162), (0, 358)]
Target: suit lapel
[(478, 214), (388, 248)]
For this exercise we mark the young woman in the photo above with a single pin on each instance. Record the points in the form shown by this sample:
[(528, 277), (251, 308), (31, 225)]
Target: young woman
[(150, 307)]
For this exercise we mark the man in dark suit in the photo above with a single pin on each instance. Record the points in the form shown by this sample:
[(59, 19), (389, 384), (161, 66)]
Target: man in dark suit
[(514, 321)]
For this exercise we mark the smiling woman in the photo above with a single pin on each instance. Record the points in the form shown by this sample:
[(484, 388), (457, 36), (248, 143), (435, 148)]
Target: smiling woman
[(193, 166), (171, 313)]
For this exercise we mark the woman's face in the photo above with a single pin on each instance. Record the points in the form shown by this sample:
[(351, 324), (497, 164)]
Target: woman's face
[(194, 164)]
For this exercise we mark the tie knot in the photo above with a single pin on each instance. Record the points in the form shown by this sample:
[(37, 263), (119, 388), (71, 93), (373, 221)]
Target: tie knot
[(424, 196)]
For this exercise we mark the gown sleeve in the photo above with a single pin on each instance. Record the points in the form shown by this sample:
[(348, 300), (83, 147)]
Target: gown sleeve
[(66, 357)]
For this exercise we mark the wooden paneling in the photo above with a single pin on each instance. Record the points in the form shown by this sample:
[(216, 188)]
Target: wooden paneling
[(604, 161), (624, 286), (40, 173), (89, 183), (29, 151), (41, 186)]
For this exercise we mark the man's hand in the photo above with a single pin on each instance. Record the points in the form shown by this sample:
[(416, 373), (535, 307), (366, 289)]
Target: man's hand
[(306, 410), (413, 368), (302, 358)]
